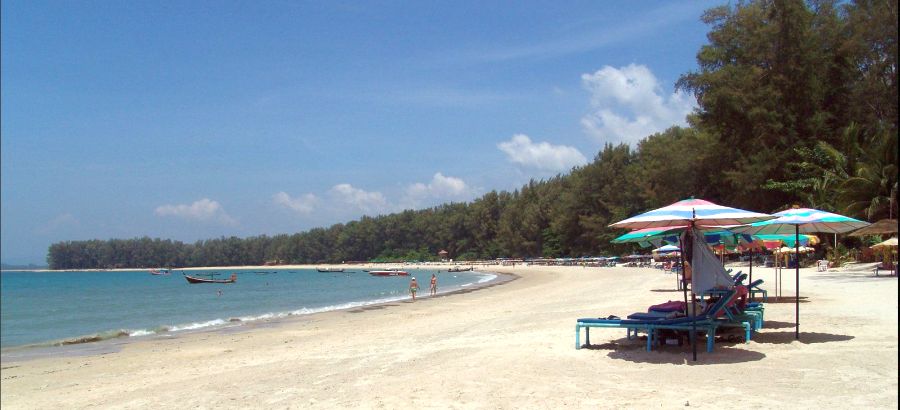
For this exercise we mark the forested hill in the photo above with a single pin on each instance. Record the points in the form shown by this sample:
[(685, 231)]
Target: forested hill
[(798, 104)]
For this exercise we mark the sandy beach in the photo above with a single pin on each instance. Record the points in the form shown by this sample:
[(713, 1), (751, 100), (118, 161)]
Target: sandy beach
[(506, 346)]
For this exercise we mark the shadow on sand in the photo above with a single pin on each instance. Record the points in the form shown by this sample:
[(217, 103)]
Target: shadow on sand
[(783, 299), (774, 324), (805, 337), (635, 351)]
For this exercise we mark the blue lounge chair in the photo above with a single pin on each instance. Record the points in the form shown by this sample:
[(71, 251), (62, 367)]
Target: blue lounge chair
[(707, 322), (754, 289)]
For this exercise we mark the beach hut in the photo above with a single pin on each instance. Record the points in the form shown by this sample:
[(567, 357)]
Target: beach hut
[(444, 255)]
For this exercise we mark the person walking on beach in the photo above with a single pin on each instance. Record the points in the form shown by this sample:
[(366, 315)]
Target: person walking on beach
[(413, 288), (433, 287)]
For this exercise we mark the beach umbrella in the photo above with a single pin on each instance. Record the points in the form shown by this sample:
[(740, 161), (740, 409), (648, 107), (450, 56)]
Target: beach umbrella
[(882, 227), (645, 237), (887, 243), (797, 220), (691, 213), (802, 249), (667, 249)]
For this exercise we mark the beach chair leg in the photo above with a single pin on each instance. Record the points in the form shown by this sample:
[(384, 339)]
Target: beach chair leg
[(577, 337), (710, 339), (587, 336), (650, 339), (747, 331)]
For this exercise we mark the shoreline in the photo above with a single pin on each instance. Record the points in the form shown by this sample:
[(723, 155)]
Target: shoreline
[(422, 265), (113, 344)]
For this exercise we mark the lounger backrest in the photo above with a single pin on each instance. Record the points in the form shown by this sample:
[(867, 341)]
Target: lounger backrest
[(718, 308), (739, 277), (755, 283)]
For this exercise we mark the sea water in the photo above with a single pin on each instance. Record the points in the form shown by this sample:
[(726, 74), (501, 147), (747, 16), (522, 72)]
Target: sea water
[(57, 308)]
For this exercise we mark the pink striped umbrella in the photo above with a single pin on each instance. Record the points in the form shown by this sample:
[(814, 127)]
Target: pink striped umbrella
[(693, 212)]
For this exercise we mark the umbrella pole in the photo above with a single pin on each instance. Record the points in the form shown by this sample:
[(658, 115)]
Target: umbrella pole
[(797, 279), (751, 270), (694, 299), (684, 289)]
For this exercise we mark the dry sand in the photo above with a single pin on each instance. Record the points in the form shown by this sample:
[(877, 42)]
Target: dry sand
[(505, 346)]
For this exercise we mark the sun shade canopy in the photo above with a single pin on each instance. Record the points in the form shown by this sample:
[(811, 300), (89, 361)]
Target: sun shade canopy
[(699, 212)]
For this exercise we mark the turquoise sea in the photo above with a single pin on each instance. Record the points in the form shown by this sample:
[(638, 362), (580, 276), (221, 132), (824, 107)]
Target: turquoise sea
[(62, 308)]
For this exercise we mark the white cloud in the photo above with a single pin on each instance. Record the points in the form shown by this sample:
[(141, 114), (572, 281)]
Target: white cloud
[(543, 156), (628, 104), (204, 210), (358, 198), (304, 204), (440, 187)]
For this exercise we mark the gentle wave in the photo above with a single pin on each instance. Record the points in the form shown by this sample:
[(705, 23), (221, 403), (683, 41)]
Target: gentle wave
[(487, 278), (122, 333)]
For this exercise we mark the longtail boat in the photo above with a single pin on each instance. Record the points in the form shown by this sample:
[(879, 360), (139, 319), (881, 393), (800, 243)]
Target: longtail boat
[(388, 273), (192, 279)]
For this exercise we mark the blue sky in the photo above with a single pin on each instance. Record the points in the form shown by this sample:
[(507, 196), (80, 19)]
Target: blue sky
[(192, 120)]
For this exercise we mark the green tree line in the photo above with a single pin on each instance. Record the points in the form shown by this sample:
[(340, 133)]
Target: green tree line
[(797, 104)]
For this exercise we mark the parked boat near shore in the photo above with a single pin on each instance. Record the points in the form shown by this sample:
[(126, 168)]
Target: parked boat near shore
[(392, 272), (193, 280)]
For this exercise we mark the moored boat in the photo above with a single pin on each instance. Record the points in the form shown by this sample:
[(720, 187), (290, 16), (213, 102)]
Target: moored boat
[(459, 269), (159, 271), (330, 269), (192, 279), (392, 272)]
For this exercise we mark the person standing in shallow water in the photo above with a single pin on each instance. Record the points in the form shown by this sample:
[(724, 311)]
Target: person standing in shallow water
[(413, 288), (433, 287)]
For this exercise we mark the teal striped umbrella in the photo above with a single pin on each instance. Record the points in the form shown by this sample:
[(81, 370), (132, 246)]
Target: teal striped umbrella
[(797, 220)]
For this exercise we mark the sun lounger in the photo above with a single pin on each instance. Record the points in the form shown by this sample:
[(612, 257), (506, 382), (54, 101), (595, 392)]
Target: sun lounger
[(705, 322), (890, 267), (754, 289)]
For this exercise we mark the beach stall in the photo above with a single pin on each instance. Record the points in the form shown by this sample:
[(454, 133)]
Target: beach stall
[(889, 250)]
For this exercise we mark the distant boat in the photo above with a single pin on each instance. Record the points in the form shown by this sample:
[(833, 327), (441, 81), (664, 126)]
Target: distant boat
[(192, 279), (159, 271), (458, 269), (391, 272), (330, 269)]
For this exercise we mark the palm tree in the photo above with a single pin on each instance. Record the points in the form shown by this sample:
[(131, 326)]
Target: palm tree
[(871, 192)]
